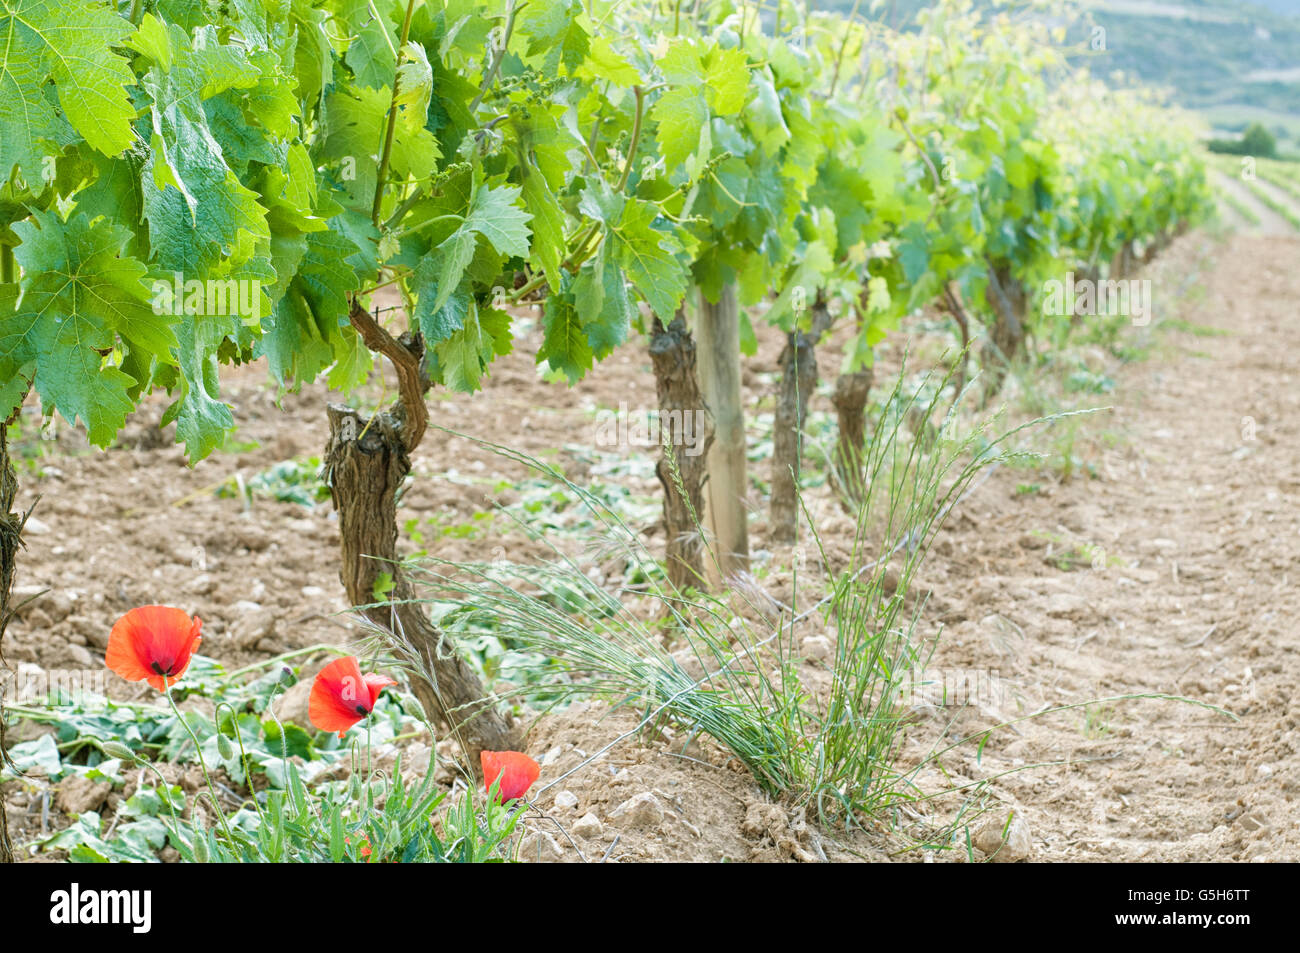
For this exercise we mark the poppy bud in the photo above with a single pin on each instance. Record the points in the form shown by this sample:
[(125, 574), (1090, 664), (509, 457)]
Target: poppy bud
[(115, 749)]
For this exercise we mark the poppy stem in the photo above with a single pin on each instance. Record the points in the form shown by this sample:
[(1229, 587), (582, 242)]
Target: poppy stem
[(370, 758), (243, 754), (198, 749), (270, 710), (175, 832), (283, 657)]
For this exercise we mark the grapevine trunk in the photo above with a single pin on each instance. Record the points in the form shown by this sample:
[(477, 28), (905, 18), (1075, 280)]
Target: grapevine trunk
[(366, 462), (10, 540), (798, 381), (850, 401), (1006, 296), (672, 352)]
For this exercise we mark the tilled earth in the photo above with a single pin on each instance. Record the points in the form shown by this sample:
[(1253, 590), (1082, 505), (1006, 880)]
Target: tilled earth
[(1167, 563)]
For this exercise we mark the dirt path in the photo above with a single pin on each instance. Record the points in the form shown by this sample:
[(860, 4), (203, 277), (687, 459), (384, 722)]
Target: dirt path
[(1190, 521), (1196, 595)]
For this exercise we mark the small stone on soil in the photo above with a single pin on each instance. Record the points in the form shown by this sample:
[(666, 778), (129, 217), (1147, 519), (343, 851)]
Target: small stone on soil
[(818, 647), (540, 846), (79, 794), (1016, 846), (640, 810), (588, 826)]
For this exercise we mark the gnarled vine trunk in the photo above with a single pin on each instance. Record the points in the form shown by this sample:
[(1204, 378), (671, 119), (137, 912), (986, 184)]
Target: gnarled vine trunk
[(850, 401), (727, 492), (1007, 336), (366, 461), (952, 301), (798, 381), (681, 469), (1121, 266), (11, 525)]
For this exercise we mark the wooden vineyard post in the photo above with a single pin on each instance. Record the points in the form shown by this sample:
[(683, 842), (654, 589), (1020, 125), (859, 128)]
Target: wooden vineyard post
[(726, 492)]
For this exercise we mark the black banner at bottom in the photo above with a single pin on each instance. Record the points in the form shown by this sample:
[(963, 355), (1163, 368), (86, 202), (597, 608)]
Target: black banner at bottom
[(144, 902)]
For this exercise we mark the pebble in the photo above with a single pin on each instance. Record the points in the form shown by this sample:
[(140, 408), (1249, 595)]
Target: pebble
[(1253, 821), (254, 627), (818, 647), (688, 662), (1065, 605), (540, 846), (292, 705), (1016, 846), (79, 794), (201, 584), (565, 800), (80, 655), (60, 604), (588, 826), (640, 810)]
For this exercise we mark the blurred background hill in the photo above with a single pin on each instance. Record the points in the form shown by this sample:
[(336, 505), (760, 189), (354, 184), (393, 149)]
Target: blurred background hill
[(1233, 61)]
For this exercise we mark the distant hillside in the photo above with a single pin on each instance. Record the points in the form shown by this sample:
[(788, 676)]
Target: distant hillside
[(1235, 62)]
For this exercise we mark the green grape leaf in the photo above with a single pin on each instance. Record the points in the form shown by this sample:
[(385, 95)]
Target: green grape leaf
[(187, 170), (494, 215), (647, 255), (605, 62), (415, 80), (436, 279), (78, 296), (726, 78), (554, 26), (548, 243), (356, 121), (325, 276), (680, 114), (370, 55), (602, 301), (564, 344), (463, 358), (202, 420), (70, 43), (352, 361)]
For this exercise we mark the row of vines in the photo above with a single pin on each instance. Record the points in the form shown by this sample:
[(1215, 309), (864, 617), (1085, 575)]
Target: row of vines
[(189, 186)]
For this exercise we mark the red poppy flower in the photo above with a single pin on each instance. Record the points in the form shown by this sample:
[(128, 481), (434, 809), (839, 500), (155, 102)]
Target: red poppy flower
[(517, 772), (365, 850), (153, 643), (341, 696)]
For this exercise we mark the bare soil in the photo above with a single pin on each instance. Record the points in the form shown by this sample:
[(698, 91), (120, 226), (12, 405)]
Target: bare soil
[(1184, 508)]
